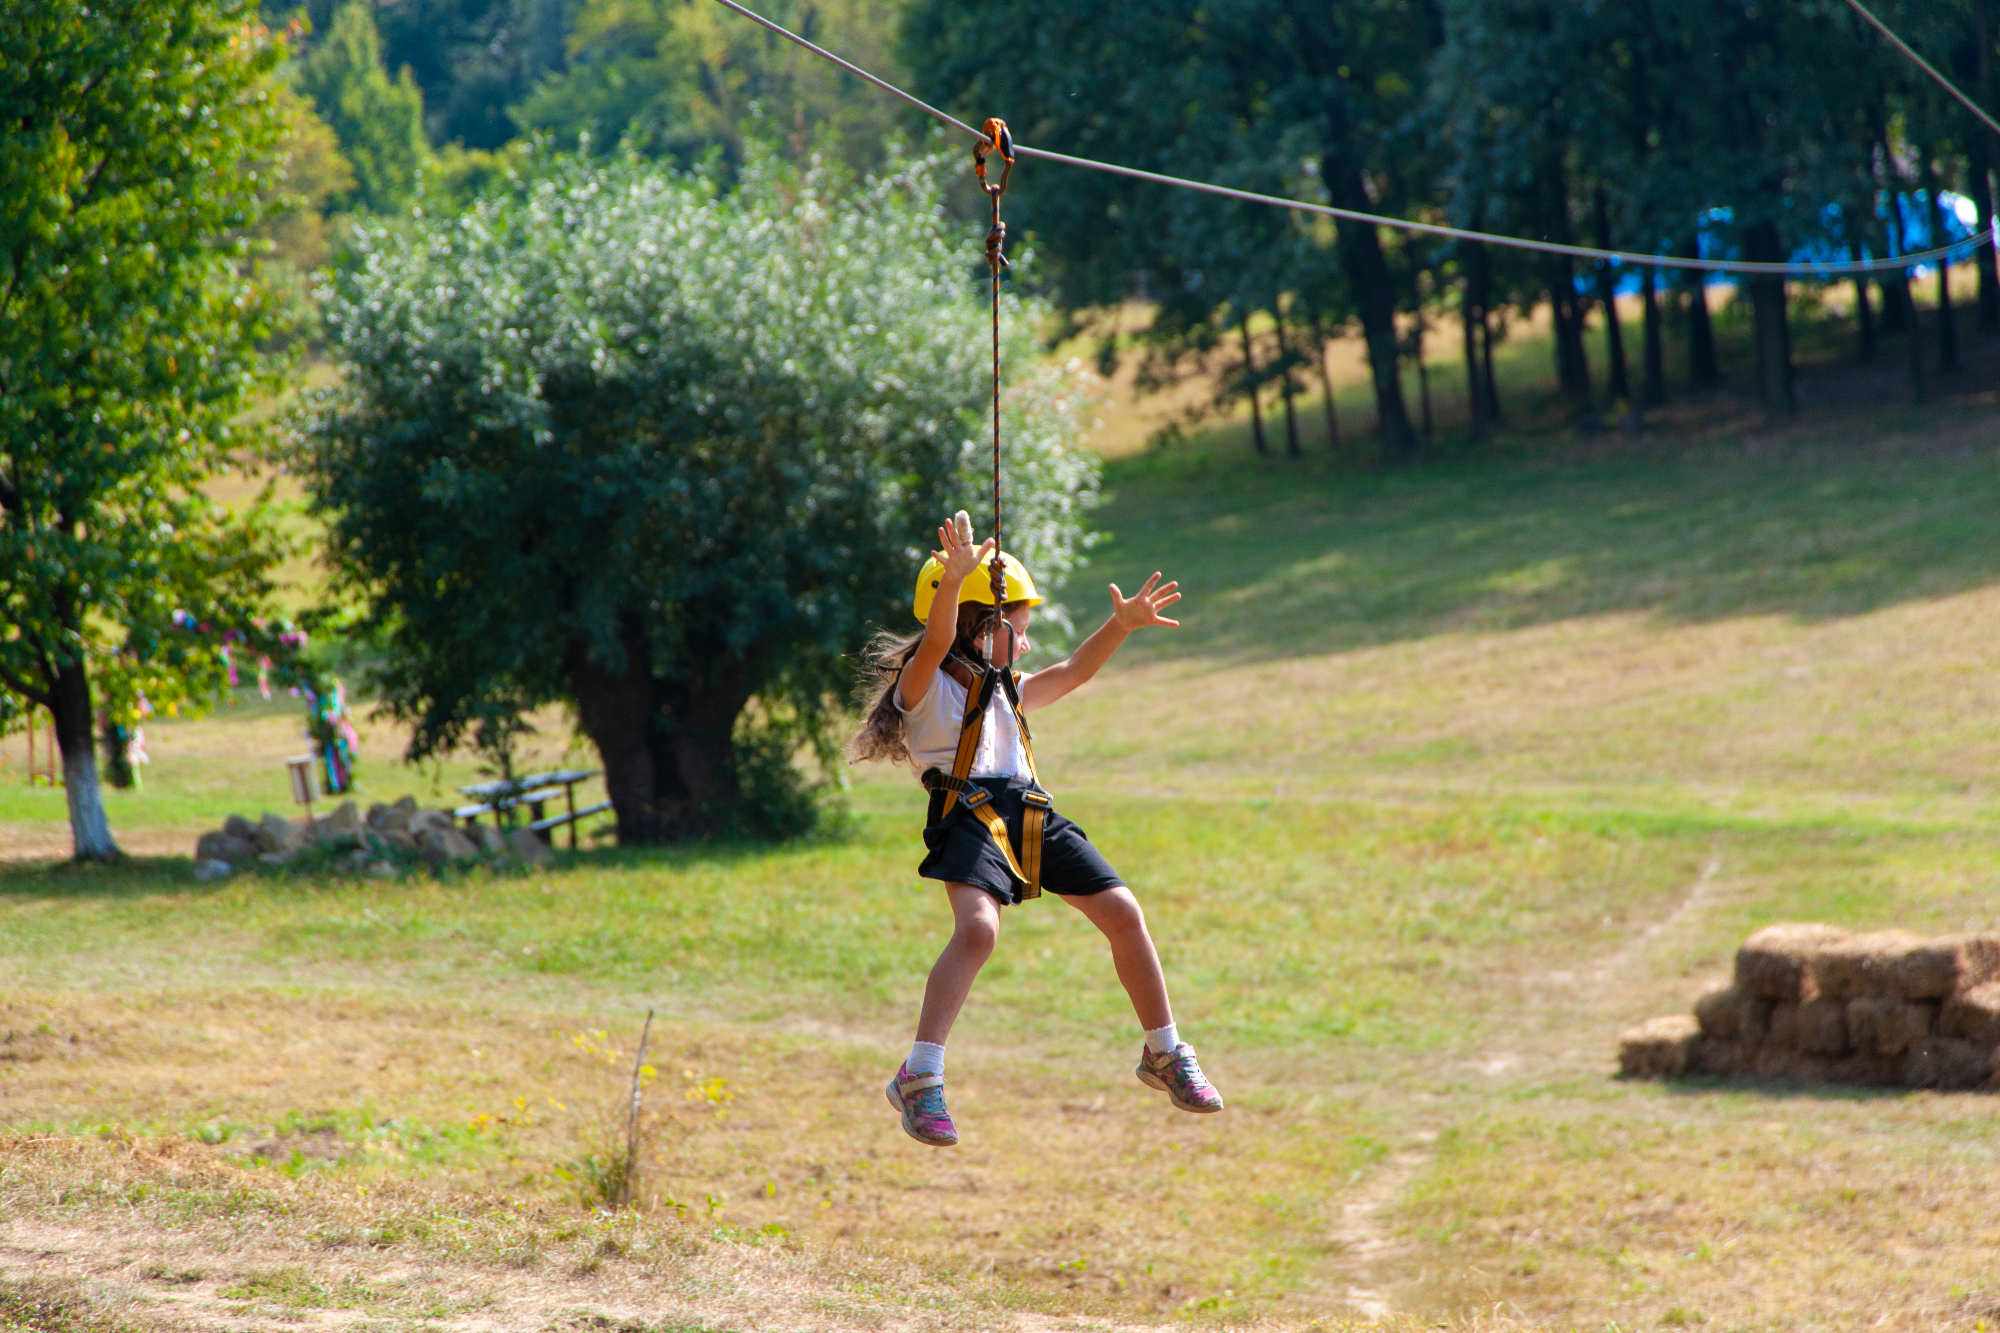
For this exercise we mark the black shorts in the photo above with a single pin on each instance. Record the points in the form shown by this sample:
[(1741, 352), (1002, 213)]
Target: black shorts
[(961, 850)]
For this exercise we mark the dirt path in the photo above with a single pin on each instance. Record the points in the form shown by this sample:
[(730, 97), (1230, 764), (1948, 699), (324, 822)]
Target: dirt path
[(136, 1276), (1698, 896), (1362, 1230)]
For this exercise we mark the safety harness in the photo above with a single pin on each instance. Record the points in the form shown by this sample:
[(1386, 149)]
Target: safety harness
[(980, 679), (979, 683)]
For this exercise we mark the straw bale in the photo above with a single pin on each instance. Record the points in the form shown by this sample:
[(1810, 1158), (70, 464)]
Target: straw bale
[(1879, 1025), (1796, 1066), (1948, 1064), (1727, 1058), (1776, 962), (1867, 1071), (1973, 1016), (1727, 1013), (1947, 965), (1870, 964), (1815, 1027), (1659, 1047)]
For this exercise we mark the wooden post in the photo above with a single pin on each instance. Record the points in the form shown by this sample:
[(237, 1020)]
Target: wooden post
[(569, 795), (31, 745), (300, 769)]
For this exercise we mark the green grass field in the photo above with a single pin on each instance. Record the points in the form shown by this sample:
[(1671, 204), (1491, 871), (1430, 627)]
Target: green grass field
[(1448, 776)]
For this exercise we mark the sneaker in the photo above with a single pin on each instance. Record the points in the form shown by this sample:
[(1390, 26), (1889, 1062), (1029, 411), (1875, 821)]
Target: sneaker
[(920, 1097), (1177, 1074)]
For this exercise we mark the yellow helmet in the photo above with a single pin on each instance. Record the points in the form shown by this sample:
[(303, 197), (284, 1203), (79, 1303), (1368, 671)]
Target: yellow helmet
[(978, 587)]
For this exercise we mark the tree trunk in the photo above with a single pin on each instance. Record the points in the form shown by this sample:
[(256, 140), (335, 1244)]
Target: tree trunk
[(1475, 390), (1614, 336), (1762, 243), (1914, 342), (89, 826), (1981, 184), (1326, 385), (1424, 391), (1895, 298), (1946, 324), (1979, 169), (1367, 271), (1898, 310), (1654, 392), (1607, 293), (1864, 316), (666, 745), (1897, 294), (1567, 310), (1285, 389), (1702, 368), (1250, 384), (1486, 357)]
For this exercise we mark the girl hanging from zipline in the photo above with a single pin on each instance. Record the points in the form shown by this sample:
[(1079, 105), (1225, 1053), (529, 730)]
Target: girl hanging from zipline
[(948, 702)]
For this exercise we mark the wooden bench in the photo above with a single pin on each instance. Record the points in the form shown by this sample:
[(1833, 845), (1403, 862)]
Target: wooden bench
[(534, 800), (501, 797), (543, 826)]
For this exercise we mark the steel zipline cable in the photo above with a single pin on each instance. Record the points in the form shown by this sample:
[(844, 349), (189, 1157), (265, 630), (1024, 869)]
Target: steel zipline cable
[(1792, 268), (1924, 65)]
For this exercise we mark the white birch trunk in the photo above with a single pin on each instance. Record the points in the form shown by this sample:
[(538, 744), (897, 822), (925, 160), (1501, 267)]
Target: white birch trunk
[(89, 826)]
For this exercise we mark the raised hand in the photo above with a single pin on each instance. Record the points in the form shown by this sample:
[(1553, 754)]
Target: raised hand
[(958, 555), (1144, 607)]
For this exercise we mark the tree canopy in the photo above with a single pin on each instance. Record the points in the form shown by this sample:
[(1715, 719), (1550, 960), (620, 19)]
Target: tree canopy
[(619, 438), (136, 138), (684, 78), (379, 119), (1764, 131)]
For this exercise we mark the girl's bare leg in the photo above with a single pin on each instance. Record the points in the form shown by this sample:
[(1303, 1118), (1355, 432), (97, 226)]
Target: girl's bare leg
[(1117, 913), (975, 930)]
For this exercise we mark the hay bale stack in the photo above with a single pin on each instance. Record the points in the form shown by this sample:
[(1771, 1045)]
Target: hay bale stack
[(1659, 1047), (1816, 1003), (1809, 1027), (1973, 1015), (1862, 965), (1776, 963)]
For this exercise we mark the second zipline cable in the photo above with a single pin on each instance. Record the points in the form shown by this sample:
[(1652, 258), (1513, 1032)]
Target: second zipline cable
[(1786, 269)]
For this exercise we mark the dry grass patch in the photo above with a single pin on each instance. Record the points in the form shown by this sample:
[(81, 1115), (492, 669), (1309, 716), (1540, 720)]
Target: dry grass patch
[(769, 1136), (146, 1234), (1740, 1209)]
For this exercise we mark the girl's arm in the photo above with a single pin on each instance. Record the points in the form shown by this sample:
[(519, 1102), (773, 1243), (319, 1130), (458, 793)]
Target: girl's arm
[(960, 559), (1127, 614)]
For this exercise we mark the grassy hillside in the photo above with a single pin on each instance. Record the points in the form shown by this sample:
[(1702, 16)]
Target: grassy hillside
[(1448, 775)]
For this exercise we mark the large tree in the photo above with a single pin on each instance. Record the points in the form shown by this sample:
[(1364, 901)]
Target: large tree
[(134, 137), (620, 439)]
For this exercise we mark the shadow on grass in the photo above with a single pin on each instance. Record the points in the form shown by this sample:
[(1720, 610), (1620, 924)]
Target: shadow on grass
[(1792, 1090), (143, 876), (1300, 557)]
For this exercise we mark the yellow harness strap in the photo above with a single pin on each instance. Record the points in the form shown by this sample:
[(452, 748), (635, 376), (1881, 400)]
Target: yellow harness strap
[(1028, 866), (1032, 816), (969, 727)]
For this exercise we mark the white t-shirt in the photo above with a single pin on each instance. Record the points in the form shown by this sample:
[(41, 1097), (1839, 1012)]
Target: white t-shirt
[(930, 729)]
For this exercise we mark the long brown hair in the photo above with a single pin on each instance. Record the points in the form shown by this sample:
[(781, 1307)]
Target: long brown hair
[(881, 735)]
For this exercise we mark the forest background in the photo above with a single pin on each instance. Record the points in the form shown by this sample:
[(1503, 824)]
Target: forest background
[(1704, 129)]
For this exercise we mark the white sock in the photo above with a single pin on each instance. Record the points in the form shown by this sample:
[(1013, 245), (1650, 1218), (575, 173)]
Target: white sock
[(1161, 1041), (926, 1057)]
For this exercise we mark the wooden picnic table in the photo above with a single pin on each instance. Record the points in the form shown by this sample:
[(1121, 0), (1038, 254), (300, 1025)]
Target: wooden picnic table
[(501, 796)]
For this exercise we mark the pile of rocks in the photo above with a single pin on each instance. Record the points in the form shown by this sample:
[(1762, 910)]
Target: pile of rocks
[(1818, 1004), (379, 845)]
